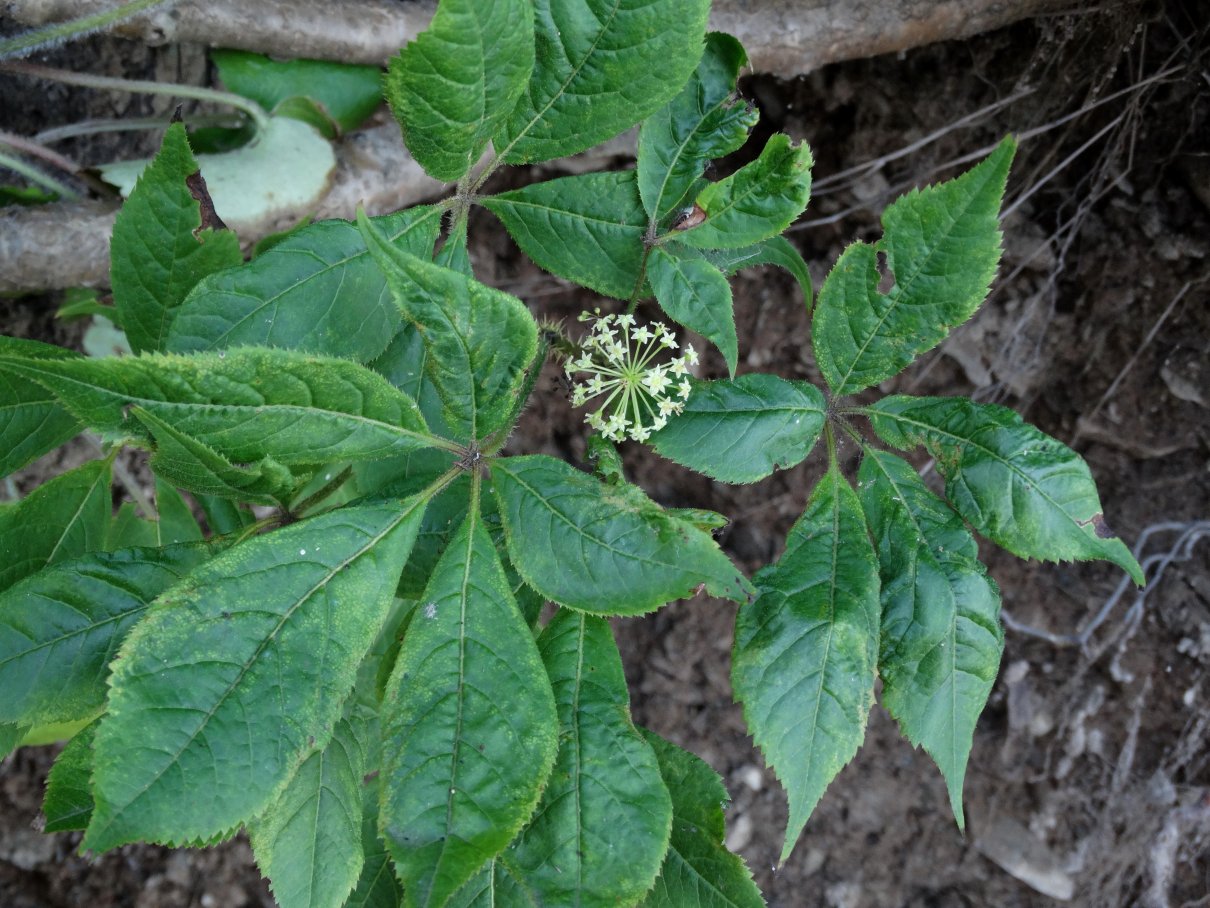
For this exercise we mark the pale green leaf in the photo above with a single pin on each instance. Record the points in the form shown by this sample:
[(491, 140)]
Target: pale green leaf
[(742, 430), (941, 245), (454, 86), (758, 201), (707, 120), (697, 295), (318, 290), (240, 671), (587, 228), (605, 549), (941, 634), (480, 341), (1019, 487), (806, 649), (469, 724), (68, 802), (601, 66), (164, 242), (60, 519)]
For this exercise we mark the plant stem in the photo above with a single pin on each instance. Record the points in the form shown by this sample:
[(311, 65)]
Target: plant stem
[(59, 32), (141, 86), (94, 127), (34, 175), (328, 489)]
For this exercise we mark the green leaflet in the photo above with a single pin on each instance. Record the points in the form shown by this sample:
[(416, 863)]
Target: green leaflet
[(480, 341), (10, 737), (31, 420), (309, 840), (941, 634), (61, 627), (60, 519), (758, 201), (605, 780), (454, 254), (346, 93), (942, 245), (806, 649), (454, 87), (68, 802), (1019, 487), (469, 724), (196, 467), (698, 871), (697, 295), (496, 885), (605, 549), (377, 886), (587, 228), (601, 66), (241, 670), (129, 530), (776, 250), (742, 430), (246, 404), (707, 120), (176, 523), (164, 242), (318, 291)]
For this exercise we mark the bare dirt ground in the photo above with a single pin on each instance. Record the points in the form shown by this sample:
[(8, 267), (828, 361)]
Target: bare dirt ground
[(1090, 776)]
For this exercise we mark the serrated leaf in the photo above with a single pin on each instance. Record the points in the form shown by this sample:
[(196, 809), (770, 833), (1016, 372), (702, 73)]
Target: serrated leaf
[(68, 802), (309, 840), (698, 871), (246, 404), (240, 671), (587, 228), (455, 85), (604, 549), (742, 430), (454, 254), (605, 780), (61, 627), (1016, 485), (377, 886), (346, 92), (806, 649), (480, 340), (941, 635), (318, 290), (192, 465), (469, 724), (942, 245), (707, 120), (497, 885), (164, 242), (601, 66), (129, 530), (758, 201), (176, 522), (60, 519), (697, 295), (31, 420), (776, 250)]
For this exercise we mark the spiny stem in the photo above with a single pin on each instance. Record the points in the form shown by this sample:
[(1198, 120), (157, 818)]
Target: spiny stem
[(141, 86), (51, 35)]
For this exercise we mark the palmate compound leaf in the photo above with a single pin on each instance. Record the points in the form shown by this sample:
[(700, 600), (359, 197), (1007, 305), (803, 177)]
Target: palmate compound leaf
[(698, 871), (742, 430), (603, 549), (758, 201), (31, 420), (318, 290), (601, 66), (601, 829), (455, 86), (60, 519), (246, 404), (706, 120), (942, 245), (61, 627), (941, 634), (697, 295), (1019, 487), (587, 228), (469, 724), (241, 670), (481, 342), (806, 649), (165, 241)]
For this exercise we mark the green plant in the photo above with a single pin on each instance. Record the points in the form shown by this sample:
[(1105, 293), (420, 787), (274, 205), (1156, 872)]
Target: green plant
[(356, 671)]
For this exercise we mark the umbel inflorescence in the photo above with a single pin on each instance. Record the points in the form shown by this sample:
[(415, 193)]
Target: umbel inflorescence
[(619, 359)]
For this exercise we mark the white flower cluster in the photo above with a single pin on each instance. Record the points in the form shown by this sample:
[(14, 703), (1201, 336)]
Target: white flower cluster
[(641, 394)]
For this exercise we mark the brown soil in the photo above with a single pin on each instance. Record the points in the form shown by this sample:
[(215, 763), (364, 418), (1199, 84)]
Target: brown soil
[(1091, 765)]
